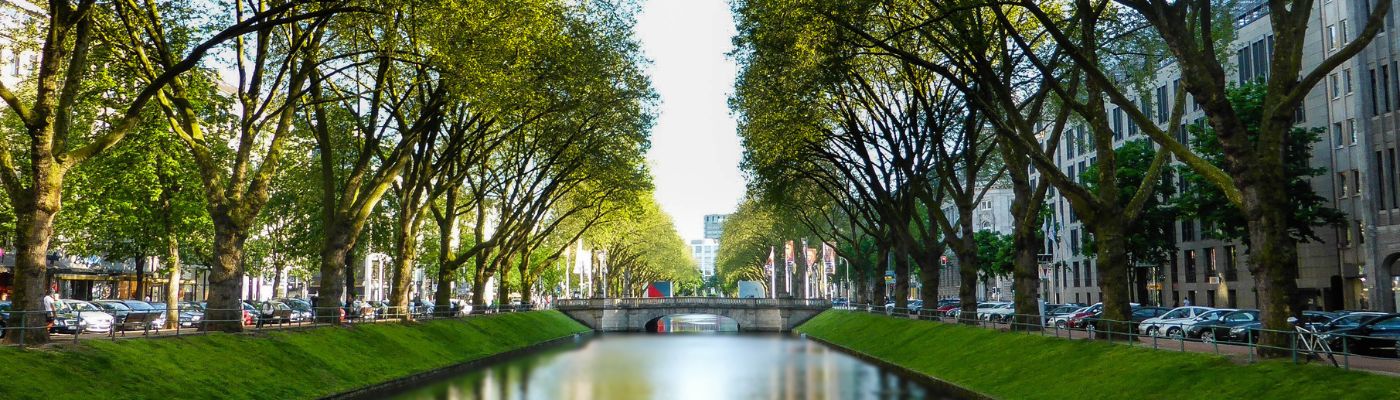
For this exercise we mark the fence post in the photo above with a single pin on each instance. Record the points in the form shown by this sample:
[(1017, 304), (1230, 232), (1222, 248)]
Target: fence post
[(1250, 340), (24, 327), (1346, 354), (1294, 345)]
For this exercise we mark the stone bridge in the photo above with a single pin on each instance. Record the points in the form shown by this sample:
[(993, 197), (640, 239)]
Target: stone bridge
[(634, 314)]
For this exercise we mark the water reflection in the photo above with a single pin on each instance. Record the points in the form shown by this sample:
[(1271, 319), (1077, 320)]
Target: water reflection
[(691, 323), (680, 367)]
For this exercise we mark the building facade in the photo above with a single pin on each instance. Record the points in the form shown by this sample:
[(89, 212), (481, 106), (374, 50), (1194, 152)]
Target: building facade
[(704, 251), (714, 225), (1352, 266)]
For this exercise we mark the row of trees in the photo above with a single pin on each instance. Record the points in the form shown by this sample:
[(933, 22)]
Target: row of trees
[(887, 121), (478, 139)]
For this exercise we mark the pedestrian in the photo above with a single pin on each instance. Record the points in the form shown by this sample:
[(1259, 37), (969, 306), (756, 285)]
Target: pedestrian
[(1186, 303), (50, 303)]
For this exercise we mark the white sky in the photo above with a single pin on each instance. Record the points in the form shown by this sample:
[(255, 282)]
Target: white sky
[(695, 151)]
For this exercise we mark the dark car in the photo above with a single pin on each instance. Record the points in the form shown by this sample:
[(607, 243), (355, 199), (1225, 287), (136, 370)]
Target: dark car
[(840, 302), (5, 307), (1349, 320), (1139, 314), (1313, 320), (270, 311), (123, 318), (1378, 336), (301, 309), (1219, 329), (189, 317)]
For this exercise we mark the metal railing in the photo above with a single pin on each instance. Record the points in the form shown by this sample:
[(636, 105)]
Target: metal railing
[(1303, 344), (76, 326), (700, 302)]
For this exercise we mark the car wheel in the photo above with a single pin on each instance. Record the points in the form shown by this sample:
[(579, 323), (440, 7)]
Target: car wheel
[(1208, 336), (1060, 324), (1153, 331), (1174, 333)]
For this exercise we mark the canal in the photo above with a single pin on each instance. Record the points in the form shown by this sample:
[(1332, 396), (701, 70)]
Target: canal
[(679, 366)]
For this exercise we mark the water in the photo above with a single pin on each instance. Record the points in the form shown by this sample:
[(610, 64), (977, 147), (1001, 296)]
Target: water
[(686, 366)]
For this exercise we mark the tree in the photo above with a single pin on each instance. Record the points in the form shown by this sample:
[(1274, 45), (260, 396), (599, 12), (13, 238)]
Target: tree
[(1209, 204), (1150, 238), (61, 129)]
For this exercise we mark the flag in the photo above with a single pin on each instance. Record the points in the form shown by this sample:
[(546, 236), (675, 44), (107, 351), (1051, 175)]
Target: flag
[(787, 254), (829, 257)]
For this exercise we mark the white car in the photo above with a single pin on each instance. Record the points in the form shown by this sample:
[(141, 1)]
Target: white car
[(1172, 323), (77, 316), (987, 307), (1000, 313)]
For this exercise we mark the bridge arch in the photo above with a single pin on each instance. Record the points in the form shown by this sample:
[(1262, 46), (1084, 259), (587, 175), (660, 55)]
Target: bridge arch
[(688, 321), (633, 315)]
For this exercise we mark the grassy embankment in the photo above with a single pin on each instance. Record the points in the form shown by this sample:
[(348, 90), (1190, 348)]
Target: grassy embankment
[(280, 365), (1019, 366)]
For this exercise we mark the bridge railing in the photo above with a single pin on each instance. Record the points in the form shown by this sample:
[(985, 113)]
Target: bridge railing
[(655, 302)]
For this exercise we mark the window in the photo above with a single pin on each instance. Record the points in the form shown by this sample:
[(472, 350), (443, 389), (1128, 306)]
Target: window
[(1210, 298), (1075, 272), (1351, 131), (1331, 37), (1394, 192), (986, 205), (1261, 61), (1189, 261), (1350, 240), (1337, 134), (1346, 80), (1174, 268), (1342, 181), (1360, 232), (1243, 58), (1343, 34), (1117, 124), (1232, 272), (1188, 230), (1089, 270), (1385, 87), (1074, 242), (1211, 269), (1336, 87), (1380, 181), (1375, 107), (1356, 182), (1161, 104), (1232, 299)]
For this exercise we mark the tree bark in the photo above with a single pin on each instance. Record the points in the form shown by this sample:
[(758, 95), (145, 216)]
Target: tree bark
[(930, 267), (405, 257), (1112, 259), (225, 311), (172, 288), (901, 276), (334, 254), (33, 228)]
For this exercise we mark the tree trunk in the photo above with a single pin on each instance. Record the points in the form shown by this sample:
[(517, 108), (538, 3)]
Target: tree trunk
[(1273, 260), (781, 275), (901, 276), (480, 278), (141, 277), (967, 271), (172, 288), (335, 252), (33, 228), (406, 255), (279, 286), (930, 266), (1026, 275), (879, 290), (225, 311), (1112, 260)]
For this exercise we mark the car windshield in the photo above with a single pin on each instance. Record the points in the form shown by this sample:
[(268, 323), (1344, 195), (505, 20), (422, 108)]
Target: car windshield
[(114, 306), (1387, 323), (158, 306), (1241, 316), (77, 305), (138, 305), (299, 305), (192, 306)]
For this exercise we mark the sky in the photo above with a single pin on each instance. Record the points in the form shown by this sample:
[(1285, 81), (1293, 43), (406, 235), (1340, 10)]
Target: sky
[(695, 150)]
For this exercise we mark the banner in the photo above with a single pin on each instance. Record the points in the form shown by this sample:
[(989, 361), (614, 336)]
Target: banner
[(769, 266), (829, 257), (787, 255)]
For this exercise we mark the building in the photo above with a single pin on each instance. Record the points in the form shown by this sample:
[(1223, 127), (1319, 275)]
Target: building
[(992, 213), (714, 225), (1352, 267), (704, 251)]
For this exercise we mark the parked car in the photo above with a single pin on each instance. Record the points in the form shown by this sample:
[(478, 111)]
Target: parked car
[(915, 306), (5, 307), (946, 307), (840, 302), (123, 318), (1378, 336), (271, 311), (1061, 321), (1139, 314), (1219, 329), (188, 317), (984, 307), (77, 316), (999, 313), (1249, 333), (251, 315), (1172, 323), (1349, 320)]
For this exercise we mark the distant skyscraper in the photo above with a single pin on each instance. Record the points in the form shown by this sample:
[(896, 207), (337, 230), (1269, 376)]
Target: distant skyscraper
[(714, 225)]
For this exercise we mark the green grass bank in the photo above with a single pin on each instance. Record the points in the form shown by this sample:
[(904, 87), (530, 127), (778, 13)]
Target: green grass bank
[(1018, 366), (280, 365)]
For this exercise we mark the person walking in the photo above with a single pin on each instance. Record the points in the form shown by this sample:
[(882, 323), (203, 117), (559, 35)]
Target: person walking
[(50, 312)]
